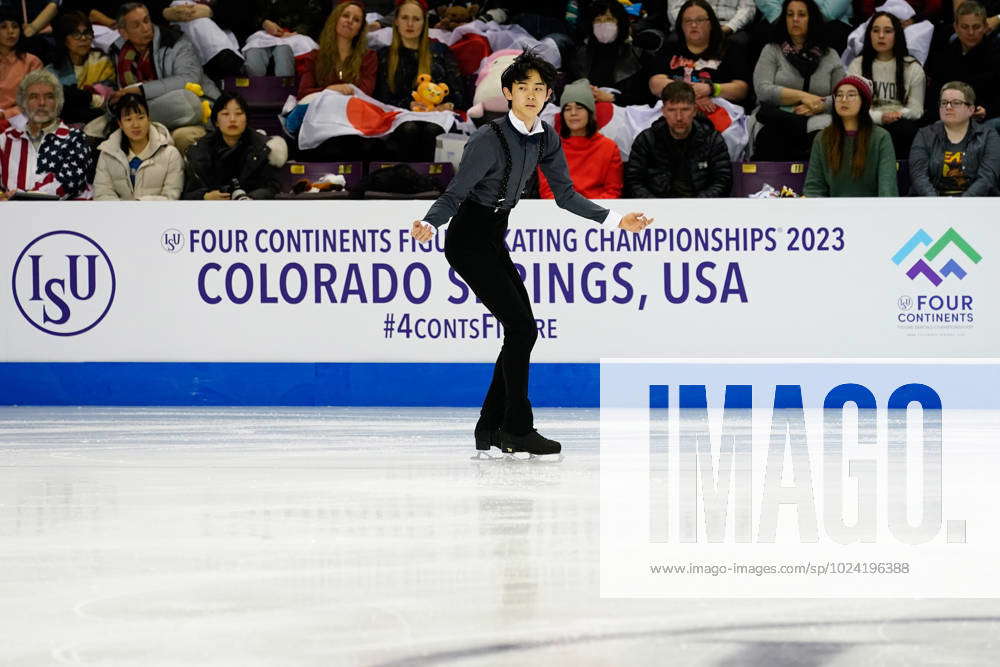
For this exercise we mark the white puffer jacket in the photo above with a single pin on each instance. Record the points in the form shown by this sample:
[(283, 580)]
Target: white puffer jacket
[(160, 176)]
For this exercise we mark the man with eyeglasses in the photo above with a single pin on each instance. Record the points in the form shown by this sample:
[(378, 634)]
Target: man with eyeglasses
[(973, 57), (955, 156)]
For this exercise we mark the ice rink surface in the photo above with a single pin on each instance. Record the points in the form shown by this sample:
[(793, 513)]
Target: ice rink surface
[(368, 537)]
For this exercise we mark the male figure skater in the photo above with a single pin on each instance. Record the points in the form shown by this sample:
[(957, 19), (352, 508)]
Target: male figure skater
[(497, 162)]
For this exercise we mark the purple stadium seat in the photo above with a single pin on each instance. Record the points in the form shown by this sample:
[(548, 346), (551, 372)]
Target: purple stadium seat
[(294, 172), (750, 177), (262, 93)]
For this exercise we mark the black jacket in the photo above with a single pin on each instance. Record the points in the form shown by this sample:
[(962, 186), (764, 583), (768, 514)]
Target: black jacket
[(626, 75), (980, 68), (212, 165), (648, 175), (444, 69)]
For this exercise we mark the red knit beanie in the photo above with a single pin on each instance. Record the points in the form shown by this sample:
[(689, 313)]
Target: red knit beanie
[(863, 86)]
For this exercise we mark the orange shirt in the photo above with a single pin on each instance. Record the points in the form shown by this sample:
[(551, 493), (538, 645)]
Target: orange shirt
[(12, 70)]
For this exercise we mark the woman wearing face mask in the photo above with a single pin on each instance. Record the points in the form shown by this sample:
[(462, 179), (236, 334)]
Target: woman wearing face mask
[(898, 80), (608, 58), (86, 73), (138, 161), (852, 157), (704, 58)]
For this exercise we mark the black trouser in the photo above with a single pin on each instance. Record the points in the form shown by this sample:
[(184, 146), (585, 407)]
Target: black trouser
[(475, 248), (784, 137)]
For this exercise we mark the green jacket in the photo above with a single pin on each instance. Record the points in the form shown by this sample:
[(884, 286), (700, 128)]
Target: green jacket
[(878, 179)]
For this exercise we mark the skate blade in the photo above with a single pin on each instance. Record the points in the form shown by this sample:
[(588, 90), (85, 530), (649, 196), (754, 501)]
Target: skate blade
[(482, 455), (533, 458)]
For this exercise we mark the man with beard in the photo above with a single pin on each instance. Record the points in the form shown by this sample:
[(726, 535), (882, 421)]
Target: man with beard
[(45, 157)]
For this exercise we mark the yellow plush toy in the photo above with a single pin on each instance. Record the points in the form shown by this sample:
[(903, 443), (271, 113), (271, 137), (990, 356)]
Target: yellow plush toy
[(428, 93)]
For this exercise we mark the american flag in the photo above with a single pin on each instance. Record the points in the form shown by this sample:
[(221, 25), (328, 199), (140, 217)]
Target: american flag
[(62, 166)]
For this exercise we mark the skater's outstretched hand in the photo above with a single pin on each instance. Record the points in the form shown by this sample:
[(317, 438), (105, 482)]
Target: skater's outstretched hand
[(422, 231), (635, 222)]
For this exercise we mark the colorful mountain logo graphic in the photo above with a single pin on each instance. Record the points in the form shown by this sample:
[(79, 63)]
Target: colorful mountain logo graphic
[(922, 266)]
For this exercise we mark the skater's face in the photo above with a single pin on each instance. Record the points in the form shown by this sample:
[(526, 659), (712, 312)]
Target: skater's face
[(527, 97)]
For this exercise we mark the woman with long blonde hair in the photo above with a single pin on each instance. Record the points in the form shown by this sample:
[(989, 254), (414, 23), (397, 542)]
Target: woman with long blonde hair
[(412, 53), (343, 57)]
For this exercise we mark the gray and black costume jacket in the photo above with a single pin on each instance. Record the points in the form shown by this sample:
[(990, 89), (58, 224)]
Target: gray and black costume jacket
[(481, 173)]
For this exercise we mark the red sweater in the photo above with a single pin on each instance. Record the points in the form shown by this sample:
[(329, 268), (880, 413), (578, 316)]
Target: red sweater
[(307, 73), (595, 167)]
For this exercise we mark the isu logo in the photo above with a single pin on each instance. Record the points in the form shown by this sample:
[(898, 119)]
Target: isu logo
[(63, 283)]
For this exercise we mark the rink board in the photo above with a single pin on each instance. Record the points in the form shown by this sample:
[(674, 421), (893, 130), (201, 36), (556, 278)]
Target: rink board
[(330, 303)]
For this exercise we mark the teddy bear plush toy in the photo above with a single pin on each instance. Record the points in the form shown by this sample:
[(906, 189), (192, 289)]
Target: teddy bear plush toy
[(456, 15), (428, 94)]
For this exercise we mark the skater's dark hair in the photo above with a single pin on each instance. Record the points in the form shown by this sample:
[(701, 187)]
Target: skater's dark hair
[(520, 70)]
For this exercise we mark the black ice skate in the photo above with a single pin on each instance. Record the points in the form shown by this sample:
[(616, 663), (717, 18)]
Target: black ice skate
[(532, 443), (486, 438)]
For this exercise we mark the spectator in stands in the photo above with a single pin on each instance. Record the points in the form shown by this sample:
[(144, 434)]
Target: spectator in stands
[(793, 79), (34, 18), (411, 53), (608, 58), (973, 57), (233, 162), (278, 18), (15, 63), (835, 16), (735, 17), (681, 154), (46, 157), (595, 164), (217, 51), (138, 161), (343, 57), (955, 156), (86, 74), (166, 67), (702, 56), (897, 80), (852, 157)]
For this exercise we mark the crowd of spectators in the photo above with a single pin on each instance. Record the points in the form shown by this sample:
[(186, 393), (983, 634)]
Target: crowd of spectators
[(128, 101)]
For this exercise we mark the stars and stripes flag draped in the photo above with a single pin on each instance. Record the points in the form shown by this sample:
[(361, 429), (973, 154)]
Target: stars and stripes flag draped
[(61, 166)]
